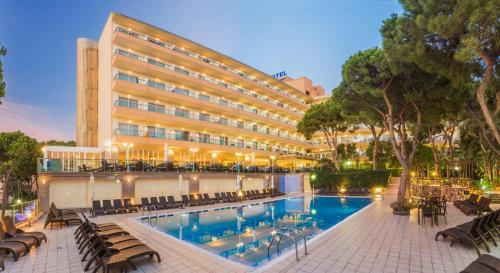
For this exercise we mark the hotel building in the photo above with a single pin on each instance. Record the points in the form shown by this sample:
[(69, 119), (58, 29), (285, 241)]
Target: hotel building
[(145, 93)]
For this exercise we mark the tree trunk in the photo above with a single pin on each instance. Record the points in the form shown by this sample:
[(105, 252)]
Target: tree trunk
[(403, 183), (375, 153), (480, 93), (5, 193)]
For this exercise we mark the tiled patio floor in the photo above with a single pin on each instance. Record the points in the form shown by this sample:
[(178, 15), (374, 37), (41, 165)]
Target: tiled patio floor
[(373, 240)]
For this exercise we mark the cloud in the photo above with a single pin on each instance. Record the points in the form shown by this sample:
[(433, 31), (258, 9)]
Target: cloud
[(35, 121)]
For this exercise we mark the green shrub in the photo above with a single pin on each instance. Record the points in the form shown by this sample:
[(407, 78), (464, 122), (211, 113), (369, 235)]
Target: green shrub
[(350, 179)]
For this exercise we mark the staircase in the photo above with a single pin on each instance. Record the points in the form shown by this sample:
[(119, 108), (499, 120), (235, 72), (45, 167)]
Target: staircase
[(392, 187)]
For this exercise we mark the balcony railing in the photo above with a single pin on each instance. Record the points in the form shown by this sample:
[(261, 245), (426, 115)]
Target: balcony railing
[(46, 165), (189, 93), (206, 60), (202, 77), (201, 117)]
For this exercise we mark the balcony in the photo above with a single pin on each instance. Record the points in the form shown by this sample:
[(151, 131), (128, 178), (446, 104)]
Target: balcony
[(265, 86), (185, 97), (179, 75), (210, 123)]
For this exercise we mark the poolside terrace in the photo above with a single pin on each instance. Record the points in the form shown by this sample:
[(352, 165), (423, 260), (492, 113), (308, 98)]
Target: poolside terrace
[(373, 240)]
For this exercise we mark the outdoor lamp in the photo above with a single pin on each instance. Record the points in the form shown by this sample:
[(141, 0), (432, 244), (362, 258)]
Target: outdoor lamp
[(313, 176)]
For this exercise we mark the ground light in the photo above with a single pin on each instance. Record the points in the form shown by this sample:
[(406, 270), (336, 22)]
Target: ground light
[(313, 212)]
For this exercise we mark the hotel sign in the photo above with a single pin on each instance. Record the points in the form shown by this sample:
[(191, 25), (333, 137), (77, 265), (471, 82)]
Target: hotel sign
[(279, 75)]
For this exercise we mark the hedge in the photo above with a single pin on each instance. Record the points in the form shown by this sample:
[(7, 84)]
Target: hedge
[(350, 179)]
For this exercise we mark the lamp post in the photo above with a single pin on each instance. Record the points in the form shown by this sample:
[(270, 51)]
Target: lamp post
[(273, 157), (238, 154), (193, 150), (128, 146)]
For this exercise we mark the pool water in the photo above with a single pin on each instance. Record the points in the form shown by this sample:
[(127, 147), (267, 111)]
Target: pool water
[(243, 233)]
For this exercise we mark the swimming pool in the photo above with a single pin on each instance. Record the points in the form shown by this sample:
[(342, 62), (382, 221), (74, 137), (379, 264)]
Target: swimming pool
[(243, 233)]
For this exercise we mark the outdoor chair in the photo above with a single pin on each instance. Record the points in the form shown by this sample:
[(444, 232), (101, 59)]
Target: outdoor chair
[(427, 211), (108, 208), (117, 203)]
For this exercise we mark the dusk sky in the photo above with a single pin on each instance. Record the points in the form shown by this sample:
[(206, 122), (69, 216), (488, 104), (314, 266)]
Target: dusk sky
[(304, 38)]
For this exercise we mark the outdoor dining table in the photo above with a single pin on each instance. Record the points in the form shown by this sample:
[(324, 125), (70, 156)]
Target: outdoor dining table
[(436, 205)]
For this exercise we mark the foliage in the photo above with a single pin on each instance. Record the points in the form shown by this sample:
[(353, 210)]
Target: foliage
[(3, 52), (351, 179), (327, 118), (386, 157), (54, 142), (456, 39), (18, 152), (483, 184), (424, 156)]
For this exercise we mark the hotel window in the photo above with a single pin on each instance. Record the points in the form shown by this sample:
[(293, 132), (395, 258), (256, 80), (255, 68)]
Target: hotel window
[(153, 107), (255, 128), (130, 103), (181, 135), (160, 132), (204, 97), (129, 78), (240, 124), (223, 102), (156, 84), (181, 112), (128, 129), (204, 138), (223, 121), (181, 91), (204, 117), (223, 140), (254, 111), (151, 131), (180, 70), (255, 145), (240, 106), (267, 130), (240, 143)]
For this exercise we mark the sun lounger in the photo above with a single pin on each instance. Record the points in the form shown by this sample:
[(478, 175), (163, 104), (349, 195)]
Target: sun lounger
[(28, 242), (117, 203), (185, 200), (483, 264), (164, 203), (108, 208), (173, 203), (146, 205), (467, 233), (469, 201), (129, 206), (97, 209), (11, 230), (15, 248), (154, 202)]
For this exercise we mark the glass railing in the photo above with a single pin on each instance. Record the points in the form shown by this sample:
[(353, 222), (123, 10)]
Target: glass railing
[(206, 60), (52, 165), (189, 93), (201, 117), (24, 211), (202, 77)]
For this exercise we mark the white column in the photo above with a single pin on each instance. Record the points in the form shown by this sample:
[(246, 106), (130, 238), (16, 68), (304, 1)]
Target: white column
[(45, 156), (253, 159), (165, 152)]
